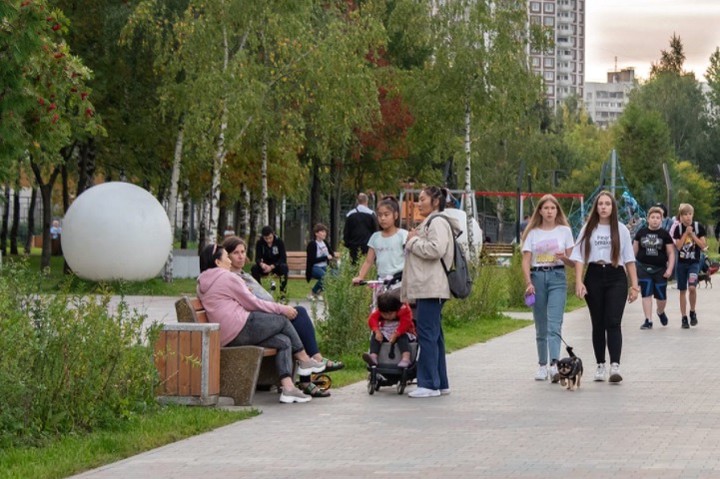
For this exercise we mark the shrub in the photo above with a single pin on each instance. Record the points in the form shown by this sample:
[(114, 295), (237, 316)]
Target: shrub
[(488, 297), (347, 308), (516, 282), (68, 364)]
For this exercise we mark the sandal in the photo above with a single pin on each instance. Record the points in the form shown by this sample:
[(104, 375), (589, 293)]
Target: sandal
[(331, 365), (313, 390)]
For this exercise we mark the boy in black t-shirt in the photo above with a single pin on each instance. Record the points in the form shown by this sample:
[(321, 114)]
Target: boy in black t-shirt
[(655, 254), (689, 237)]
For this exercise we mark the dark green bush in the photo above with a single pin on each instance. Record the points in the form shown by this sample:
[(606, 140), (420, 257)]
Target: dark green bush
[(67, 364), (488, 297), (345, 326)]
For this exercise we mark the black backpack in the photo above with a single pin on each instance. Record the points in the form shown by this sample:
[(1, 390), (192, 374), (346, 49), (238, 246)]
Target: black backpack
[(458, 276)]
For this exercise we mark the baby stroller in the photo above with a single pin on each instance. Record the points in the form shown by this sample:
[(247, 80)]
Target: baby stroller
[(387, 372)]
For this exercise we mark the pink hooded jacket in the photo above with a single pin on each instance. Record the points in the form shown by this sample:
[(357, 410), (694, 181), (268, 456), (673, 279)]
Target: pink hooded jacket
[(229, 302)]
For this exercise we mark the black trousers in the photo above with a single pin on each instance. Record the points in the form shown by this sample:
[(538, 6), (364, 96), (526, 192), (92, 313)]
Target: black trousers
[(281, 271), (607, 290)]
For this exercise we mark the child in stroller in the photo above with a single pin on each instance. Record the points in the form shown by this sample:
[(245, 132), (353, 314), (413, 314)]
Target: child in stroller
[(391, 324)]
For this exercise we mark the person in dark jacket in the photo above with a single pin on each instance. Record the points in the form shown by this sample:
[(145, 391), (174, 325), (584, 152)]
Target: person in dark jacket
[(319, 253), (270, 258), (360, 224)]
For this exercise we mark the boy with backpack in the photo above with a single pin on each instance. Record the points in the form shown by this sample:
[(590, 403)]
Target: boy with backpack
[(689, 238)]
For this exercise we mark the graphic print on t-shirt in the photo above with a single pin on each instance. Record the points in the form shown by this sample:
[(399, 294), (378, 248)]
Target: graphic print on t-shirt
[(545, 251), (652, 243), (602, 242)]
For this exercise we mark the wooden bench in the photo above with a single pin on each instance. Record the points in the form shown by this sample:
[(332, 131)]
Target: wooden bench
[(500, 252), (242, 368), (296, 261)]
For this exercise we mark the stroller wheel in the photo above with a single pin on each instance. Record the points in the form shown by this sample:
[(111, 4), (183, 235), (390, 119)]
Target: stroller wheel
[(372, 380), (370, 388), (323, 381), (402, 383)]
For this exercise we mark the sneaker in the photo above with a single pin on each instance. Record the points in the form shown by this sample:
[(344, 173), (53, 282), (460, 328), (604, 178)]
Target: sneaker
[(693, 318), (404, 363), (685, 324), (663, 318), (554, 376), (320, 297), (600, 372), (295, 395), (647, 324), (445, 392), (311, 297), (371, 361), (424, 393), (305, 368), (615, 373), (542, 373)]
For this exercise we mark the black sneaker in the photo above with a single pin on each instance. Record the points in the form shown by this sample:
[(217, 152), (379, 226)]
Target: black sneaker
[(685, 324), (693, 318), (647, 324), (663, 318)]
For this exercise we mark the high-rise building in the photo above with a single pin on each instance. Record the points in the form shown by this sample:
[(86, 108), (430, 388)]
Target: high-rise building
[(563, 67), (605, 102)]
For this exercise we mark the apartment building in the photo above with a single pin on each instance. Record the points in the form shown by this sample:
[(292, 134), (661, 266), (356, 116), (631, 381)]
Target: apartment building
[(562, 68), (605, 102)]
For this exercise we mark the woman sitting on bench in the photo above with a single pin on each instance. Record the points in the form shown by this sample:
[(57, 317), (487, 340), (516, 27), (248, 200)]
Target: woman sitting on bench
[(244, 322), (302, 323)]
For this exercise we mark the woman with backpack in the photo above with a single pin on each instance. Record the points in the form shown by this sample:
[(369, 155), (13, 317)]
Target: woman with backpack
[(425, 284)]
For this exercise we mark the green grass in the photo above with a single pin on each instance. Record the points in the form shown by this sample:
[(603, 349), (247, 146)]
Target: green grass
[(54, 278), (71, 455)]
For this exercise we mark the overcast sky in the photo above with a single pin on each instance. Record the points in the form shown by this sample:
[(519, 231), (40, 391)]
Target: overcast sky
[(635, 31)]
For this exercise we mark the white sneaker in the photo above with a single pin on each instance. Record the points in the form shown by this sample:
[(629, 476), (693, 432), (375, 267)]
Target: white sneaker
[(600, 372), (320, 297), (311, 297), (305, 368), (542, 373), (615, 376), (445, 392), (424, 393), (554, 376), (295, 395)]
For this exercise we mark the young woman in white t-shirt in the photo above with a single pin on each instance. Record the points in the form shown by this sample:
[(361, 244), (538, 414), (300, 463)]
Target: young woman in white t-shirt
[(546, 245), (605, 246)]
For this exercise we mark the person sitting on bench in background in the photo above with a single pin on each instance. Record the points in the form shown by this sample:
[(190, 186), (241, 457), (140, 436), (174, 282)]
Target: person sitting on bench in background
[(270, 258), (302, 323), (248, 321)]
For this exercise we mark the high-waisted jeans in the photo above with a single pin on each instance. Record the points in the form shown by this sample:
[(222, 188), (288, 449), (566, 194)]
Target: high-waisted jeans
[(550, 295), (607, 290)]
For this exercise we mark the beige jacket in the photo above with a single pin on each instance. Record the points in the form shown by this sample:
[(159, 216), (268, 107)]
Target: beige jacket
[(424, 276)]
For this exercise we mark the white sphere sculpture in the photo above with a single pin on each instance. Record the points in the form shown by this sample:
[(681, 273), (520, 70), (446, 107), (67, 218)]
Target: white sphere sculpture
[(116, 231)]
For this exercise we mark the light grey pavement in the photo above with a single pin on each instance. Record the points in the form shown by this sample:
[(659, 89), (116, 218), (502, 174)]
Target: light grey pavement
[(662, 421)]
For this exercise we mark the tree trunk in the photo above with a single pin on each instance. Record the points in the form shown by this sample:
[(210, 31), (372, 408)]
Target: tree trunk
[(469, 210), (237, 213), (264, 218), (202, 229), (5, 221), (16, 220), (335, 204), (222, 217), (31, 221), (315, 194), (187, 211), (86, 167), (244, 227), (172, 200), (46, 195), (254, 224)]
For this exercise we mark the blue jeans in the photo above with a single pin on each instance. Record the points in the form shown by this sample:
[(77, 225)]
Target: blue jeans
[(687, 275), (318, 273), (431, 365), (550, 295)]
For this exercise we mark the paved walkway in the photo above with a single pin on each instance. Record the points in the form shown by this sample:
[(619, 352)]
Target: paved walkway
[(663, 421)]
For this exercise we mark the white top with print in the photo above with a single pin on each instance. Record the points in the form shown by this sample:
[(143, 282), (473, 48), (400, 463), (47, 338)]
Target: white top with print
[(544, 244), (600, 246)]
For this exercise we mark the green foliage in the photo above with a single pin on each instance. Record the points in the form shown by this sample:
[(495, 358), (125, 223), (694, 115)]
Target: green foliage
[(489, 296), (516, 282), (345, 327), (68, 364)]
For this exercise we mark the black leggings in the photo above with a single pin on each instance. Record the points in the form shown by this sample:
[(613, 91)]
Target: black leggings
[(606, 297)]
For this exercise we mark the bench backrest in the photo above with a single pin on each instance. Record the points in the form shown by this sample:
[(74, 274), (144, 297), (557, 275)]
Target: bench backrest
[(499, 248), (296, 261), (190, 310)]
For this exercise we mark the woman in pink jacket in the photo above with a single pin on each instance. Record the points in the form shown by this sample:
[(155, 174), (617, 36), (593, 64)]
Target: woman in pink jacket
[(243, 320)]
